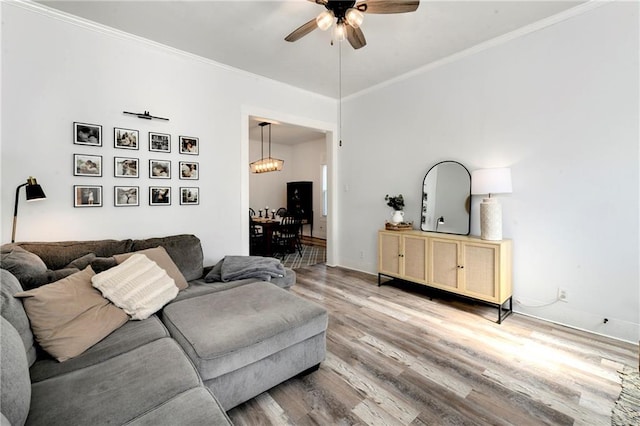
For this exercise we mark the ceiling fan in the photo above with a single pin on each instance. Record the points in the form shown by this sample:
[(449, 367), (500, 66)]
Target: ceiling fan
[(349, 15)]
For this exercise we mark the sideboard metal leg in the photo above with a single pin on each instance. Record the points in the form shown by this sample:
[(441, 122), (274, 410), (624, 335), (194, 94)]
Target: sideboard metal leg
[(507, 312)]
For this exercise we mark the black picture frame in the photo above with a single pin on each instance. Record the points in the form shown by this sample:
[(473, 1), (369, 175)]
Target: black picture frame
[(159, 169), (189, 196), (126, 167), (126, 138), (159, 195), (189, 145), (126, 196), (87, 165), (87, 134), (189, 170), (87, 195), (159, 142)]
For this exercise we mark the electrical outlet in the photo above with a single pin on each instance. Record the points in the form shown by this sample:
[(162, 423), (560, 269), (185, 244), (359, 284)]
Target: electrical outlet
[(361, 254), (563, 296)]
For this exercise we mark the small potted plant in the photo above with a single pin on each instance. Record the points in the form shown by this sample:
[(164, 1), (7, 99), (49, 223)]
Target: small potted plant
[(397, 204)]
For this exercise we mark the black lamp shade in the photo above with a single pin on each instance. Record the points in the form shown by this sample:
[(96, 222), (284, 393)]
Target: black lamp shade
[(34, 192)]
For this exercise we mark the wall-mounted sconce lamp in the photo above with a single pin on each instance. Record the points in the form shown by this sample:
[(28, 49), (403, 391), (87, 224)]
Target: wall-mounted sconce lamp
[(33, 192), (491, 181)]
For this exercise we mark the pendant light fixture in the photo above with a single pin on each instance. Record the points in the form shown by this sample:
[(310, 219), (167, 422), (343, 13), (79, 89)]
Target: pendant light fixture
[(268, 164)]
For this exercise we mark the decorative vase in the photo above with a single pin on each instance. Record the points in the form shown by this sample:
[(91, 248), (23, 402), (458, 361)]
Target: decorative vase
[(397, 217)]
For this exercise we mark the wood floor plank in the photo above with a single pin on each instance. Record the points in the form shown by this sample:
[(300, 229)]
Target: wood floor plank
[(399, 354)]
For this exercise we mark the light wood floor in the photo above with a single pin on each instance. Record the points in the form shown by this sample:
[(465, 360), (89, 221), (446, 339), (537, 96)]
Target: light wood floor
[(396, 357)]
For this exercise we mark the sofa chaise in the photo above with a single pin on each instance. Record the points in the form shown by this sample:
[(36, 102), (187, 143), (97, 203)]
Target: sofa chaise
[(213, 346)]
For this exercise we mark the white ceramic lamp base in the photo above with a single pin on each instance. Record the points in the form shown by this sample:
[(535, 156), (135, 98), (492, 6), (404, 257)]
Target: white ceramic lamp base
[(490, 219)]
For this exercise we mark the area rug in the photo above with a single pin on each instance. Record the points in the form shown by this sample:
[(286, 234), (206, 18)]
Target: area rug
[(627, 408), (310, 256)]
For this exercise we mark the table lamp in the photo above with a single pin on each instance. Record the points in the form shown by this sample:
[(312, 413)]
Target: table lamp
[(491, 181), (33, 192)]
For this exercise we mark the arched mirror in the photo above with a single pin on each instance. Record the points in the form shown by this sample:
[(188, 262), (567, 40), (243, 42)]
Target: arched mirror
[(446, 199)]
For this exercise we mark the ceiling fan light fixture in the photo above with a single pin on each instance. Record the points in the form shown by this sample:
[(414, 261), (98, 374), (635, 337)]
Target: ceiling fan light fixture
[(341, 31), (325, 20), (354, 17)]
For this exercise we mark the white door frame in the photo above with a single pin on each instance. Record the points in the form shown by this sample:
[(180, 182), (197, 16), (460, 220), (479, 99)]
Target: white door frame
[(330, 130)]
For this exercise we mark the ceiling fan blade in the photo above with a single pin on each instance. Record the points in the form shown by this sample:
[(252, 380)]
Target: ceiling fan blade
[(388, 6), (302, 30), (355, 37)]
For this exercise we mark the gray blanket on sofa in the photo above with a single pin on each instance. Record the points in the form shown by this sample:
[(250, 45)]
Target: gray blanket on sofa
[(232, 268)]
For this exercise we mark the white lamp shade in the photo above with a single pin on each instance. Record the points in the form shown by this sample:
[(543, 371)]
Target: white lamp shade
[(491, 181)]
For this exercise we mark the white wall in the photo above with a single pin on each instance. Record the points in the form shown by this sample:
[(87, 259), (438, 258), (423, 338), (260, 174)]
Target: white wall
[(57, 70), (307, 166), (560, 107)]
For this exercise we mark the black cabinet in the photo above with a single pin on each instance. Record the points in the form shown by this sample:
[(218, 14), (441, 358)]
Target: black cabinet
[(300, 201)]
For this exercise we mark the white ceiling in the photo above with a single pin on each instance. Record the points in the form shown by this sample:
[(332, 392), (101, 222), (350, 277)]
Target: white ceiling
[(250, 35)]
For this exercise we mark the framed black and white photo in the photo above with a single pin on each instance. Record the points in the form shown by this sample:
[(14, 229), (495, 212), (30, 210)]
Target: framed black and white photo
[(189, 196), (189, 170), (125, 138), (125, 167), (160, 169), (87, 134), (87, 165), (159, 142), (189, 145), (87, 196), (159, 196), (126, 196)]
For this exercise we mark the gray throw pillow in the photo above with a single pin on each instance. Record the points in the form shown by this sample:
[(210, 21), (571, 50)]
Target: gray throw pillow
[(13, 311), (15, 387), (20, 262)]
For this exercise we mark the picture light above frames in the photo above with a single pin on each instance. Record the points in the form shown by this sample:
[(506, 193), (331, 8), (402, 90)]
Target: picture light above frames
[(145, 115)]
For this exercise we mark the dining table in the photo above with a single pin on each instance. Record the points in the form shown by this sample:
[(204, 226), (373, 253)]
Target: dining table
[(268, 226)]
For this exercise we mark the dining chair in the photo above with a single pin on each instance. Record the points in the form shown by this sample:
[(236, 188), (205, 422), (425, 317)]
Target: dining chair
[(286, 239), (256, 238)]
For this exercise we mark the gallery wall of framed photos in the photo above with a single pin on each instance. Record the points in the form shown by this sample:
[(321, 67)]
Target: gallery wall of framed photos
[(137, 154)]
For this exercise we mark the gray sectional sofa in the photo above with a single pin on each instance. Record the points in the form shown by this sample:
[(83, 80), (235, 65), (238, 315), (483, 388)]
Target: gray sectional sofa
[(216, 345)]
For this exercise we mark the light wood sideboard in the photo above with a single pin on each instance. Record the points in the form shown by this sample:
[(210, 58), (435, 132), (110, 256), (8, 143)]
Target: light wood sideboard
[(463, 265)]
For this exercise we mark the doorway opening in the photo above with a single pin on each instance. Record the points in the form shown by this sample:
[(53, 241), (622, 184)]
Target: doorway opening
[(307, 148)]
